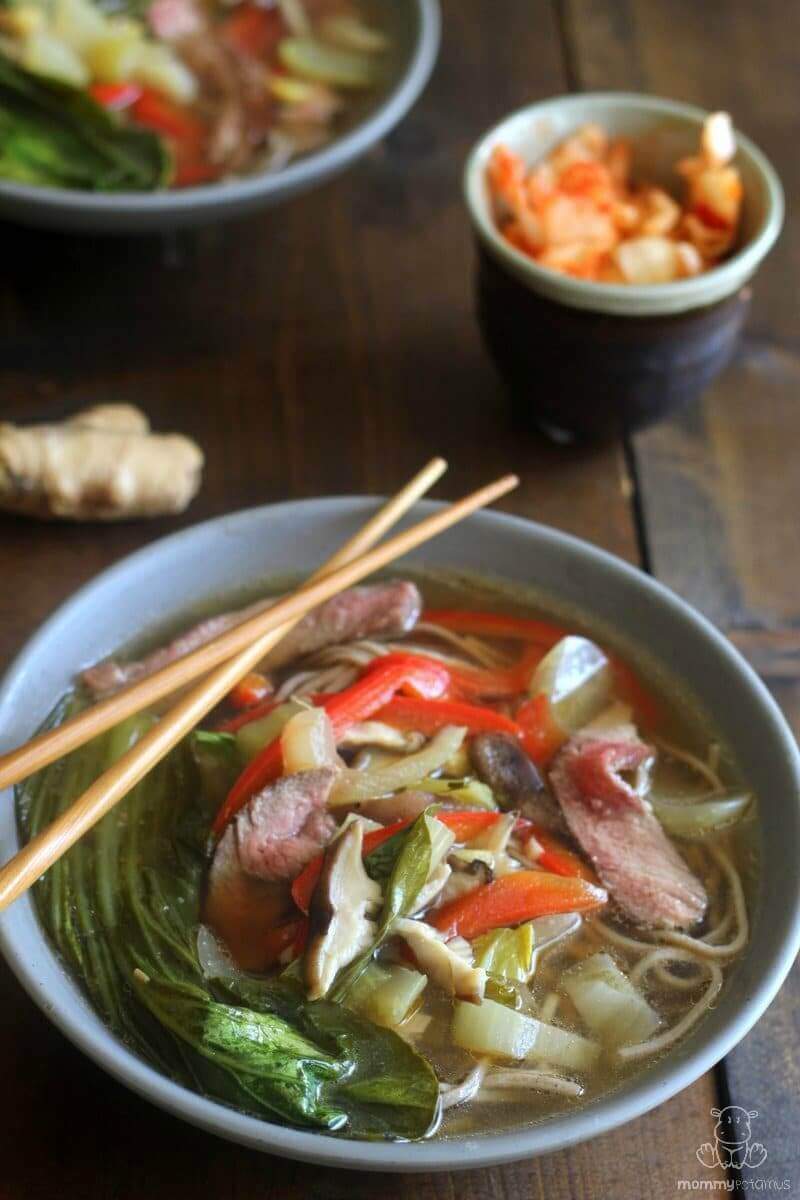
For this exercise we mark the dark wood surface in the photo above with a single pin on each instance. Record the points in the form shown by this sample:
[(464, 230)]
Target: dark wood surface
[(330, 347)]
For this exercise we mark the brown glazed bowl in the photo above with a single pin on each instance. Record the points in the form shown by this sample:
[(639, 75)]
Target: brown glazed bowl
[(589, 360)]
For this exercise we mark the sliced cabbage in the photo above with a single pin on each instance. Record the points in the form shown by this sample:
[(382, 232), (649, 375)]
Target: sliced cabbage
[(612, 1007), (387, 995), (576, 678), (506, 953), (500, 1032), (46, 55)]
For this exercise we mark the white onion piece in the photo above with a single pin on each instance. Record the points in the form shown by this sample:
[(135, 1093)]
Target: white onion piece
[(307, 742), (575, 676), (354, 786), (702, 817)]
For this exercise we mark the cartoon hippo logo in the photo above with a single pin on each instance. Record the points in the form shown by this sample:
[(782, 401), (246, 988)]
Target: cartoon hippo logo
[(732, 1147)]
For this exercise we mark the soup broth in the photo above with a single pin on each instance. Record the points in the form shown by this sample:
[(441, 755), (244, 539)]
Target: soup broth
[(446, 874)]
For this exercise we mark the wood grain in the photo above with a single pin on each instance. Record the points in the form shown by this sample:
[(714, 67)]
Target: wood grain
[(720, 491), (324, 347)]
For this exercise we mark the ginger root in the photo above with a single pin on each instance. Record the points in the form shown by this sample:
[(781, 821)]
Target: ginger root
[(103, 464)]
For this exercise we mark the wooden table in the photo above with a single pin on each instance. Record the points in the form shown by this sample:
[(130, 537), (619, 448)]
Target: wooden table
[(328, 347)]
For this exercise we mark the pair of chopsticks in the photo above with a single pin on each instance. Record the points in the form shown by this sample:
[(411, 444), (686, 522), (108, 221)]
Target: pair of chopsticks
[(219, 665)]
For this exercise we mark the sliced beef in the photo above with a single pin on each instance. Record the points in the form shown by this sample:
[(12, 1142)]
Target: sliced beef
[(266, 845), (619, 833), (501, 762), (380, 610), (108, 677)]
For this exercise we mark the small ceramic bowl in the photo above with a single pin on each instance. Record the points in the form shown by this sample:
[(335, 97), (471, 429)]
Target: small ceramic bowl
[(586, 359), (414, 28), (164, 580)]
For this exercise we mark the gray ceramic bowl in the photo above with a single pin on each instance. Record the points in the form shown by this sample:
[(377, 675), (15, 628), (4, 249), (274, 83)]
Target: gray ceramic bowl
[(414, 26), (162, 580)]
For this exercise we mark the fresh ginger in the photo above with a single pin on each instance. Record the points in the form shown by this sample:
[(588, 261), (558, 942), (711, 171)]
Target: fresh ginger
[(103, 464)]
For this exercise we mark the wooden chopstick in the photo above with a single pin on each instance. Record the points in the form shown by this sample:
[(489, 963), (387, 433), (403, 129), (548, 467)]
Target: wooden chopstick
[(48, 846), (55, 743)]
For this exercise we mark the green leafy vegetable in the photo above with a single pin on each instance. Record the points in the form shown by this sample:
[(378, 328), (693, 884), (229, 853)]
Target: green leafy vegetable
[(389, 1089), (282, 1070), (122, 908), (218, 763), (55, 135), (408, 875)]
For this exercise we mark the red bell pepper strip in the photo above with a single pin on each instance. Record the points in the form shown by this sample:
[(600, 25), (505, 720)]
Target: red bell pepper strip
[(519, 896), (253, 31), (166, 117), (466, 824), (541, 734), (250, 690), (429, 716), (115, 96), (191, 171), (499, 625), (554, 855), (422, 677), (249, 715), (495, 682)]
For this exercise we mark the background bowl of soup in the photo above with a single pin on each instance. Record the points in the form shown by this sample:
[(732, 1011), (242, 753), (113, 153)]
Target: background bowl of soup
[(411, 29), (522, 564), (587, 359)]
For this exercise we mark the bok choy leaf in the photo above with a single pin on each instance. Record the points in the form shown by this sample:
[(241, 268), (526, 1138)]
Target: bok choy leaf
[(122, 908), (56, 135)]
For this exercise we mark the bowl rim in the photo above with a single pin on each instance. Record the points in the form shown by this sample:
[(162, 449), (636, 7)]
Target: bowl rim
[(624, 299), (655, 1085), (315, 166)]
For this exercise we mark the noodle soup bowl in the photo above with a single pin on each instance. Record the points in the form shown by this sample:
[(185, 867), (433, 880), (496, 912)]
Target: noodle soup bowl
[(668, 638), (413, 27)]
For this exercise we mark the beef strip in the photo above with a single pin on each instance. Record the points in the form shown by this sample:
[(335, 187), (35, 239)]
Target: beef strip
[(501, 762), (265, 846), (620, 834), (379, 610)]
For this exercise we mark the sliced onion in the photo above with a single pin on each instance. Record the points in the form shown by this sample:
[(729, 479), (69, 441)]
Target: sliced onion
[(576, 678), (703, 817), (354, 786), (311, 59), (307, 742)]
